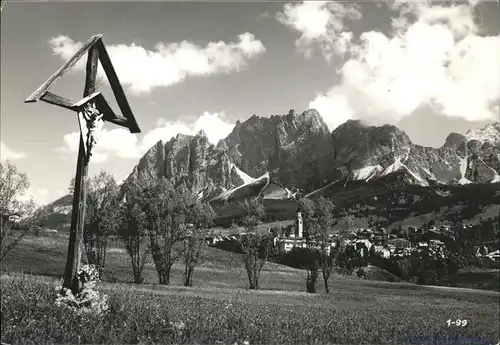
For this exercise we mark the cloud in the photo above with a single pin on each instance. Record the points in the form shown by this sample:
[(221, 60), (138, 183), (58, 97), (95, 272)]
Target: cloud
[(143, 70), (60, 194), (434, 56), (7, 153), (120, 142), (40, 196), (321, 23)]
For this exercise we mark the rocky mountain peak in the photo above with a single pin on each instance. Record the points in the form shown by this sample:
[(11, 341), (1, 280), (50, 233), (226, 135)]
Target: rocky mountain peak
[(455, 140), (312, 119), (201, 133), (489, 133), (299, 151), (360, 145), (263, 144)]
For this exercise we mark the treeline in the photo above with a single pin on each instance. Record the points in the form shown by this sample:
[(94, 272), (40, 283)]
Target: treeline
[(152, 218), (168, 223)]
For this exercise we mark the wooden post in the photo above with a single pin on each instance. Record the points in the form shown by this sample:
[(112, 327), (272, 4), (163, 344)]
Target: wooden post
[(73, 259), (70, 258)]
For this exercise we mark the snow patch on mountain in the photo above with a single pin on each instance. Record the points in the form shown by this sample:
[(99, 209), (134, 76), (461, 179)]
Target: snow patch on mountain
[(200, 194), (227, 194), (496, 179), (366, 173), (489, 133), (398, 165), (463, 181), (463, 171), (245, 177)]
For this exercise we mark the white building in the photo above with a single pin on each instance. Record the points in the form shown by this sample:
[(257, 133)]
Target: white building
[(296, 239)]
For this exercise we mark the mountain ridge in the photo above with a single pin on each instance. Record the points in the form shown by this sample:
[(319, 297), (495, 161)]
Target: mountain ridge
[(282, 157)]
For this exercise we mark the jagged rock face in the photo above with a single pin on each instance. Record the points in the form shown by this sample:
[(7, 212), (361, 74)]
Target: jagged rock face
[(489, 133), (462, 159), (455, 141), (297, 150), (293, 147), (191, 161), (356, 146)]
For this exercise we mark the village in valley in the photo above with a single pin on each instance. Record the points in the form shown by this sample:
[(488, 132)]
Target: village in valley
[(397, 243)]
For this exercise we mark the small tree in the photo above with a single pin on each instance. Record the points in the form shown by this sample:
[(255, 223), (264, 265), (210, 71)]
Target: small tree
[(15, 211), (313, 264), (101, 217), (319, 221), (255, 246), (132, 231), (166, 210), (324, 224), (201, 217)]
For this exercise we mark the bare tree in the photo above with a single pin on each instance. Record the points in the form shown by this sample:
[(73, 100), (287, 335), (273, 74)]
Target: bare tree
[(15, 213), (255, 246), (201, 217)]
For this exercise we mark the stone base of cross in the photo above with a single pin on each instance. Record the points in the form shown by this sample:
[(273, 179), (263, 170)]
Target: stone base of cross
[(93, 111)]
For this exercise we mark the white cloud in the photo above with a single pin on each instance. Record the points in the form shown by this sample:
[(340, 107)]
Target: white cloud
[(60, 194), (40, 196), (167, 64), (42, 191), (434, 56), (7, 153), (320, 22), (120, 142)]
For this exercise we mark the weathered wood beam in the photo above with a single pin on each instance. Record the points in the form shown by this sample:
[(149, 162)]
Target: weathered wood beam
[(117, 88), (54, 99), (92, 64), (109, 114), (79, 198), (120, 121), (37, 94)]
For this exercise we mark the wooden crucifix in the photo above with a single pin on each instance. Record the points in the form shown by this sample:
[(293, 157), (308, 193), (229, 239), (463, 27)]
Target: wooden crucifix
[(92, 111)]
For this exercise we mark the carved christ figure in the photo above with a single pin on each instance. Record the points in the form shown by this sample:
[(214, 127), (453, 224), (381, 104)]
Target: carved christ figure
[(93, 118)]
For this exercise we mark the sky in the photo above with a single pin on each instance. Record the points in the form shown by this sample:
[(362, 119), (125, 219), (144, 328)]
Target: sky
[(430, 68)]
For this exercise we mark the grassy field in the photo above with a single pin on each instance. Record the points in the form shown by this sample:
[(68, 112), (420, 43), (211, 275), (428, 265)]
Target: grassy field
[(219, 309)]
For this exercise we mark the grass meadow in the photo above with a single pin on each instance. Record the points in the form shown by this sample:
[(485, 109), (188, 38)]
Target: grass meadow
[(220, 310)]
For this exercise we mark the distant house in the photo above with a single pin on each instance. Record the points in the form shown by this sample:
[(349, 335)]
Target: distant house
[(211, 240), (362, 243), (287, 244), (390, 248), (400, 243), (380, 236), (436, 244), (383, 252)]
